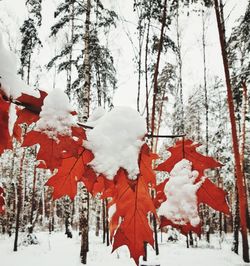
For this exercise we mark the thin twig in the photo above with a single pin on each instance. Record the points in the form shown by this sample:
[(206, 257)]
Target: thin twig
[(37, 111)]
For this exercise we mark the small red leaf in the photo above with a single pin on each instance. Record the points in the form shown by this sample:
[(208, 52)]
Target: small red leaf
[(33, 106), (2, 203), (213, 196), (5, 138)]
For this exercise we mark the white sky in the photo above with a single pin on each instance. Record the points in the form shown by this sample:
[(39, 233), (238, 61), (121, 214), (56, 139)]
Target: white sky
[(123, 50)]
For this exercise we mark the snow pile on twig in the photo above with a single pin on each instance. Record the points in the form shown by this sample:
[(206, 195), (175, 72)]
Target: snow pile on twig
[(181, 204), (10, 83), (56, 117), (116, 141)]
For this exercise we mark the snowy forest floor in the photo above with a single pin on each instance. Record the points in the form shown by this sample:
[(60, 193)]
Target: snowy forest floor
[(56, 250)]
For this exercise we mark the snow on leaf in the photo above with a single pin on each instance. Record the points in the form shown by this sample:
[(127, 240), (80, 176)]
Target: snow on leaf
[(33, 106), (57, 115), (181, 204), (52, 151), (116, 141), (206, 192), (187, 149)]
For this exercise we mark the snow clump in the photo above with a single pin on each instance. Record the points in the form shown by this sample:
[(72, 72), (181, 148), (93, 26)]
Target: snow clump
[(181, 204), (55, 116), (116, 141), (10, 83)]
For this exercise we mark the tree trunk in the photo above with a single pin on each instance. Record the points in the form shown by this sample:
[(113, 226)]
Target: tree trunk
[(236, 225), (33, 199), (19, 200), (84, 224), (69, 68), (98, 219), (156, 72), (85, 101), (239, 174)]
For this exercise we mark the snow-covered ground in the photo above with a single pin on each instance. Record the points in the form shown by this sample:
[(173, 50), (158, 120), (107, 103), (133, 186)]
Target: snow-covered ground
[(57, 250)]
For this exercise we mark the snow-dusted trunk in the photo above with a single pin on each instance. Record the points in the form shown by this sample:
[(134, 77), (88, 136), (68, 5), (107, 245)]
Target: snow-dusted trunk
[(19, 200), (104, 229), (85, 101), (85, 104), (33, 199), (98, 218), (156, 71), (243, 143), (67, 217), (239, 173), (236, 224), (146, 70), (179, 60), (205, 77), (69, 70), (84, 224)]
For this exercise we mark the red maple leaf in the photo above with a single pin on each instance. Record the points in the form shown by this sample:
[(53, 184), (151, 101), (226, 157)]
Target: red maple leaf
[(160, 194), (213, 196), (208, 193), (51, 150), (2, 203), (145, 164), (129, 224), (103, 186), (132, 206), (5, 138), (187, 149), (184, 229), (71, 171), (32, 107)]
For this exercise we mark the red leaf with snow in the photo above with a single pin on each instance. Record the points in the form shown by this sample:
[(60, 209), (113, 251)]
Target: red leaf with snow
[(208, 193), (5, 138), (184, 229), (32, 107), (160, 195), (187, 149), (52, 151), (2, 203), (69, 174)]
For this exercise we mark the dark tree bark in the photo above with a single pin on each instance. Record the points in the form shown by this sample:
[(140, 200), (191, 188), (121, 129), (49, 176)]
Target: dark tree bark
[(157, 65), (19, 201), (239, 174)]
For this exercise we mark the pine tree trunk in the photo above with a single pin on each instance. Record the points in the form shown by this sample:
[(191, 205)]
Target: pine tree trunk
[(239, 174), (243, 144), (85, 101), (236, 225), (146, 75), (103, 221), (98, 219), (69, 69), (33, 199), (19, 201), (179, 59), (156, 71), (84, 224)]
